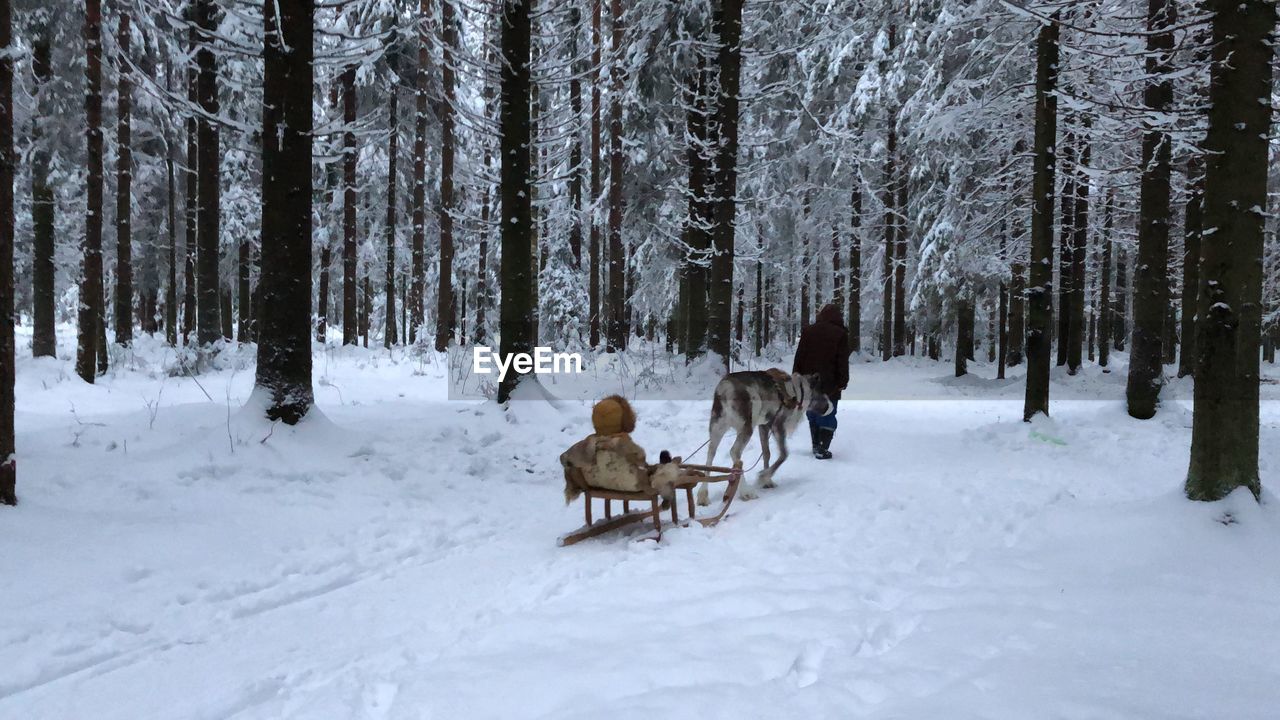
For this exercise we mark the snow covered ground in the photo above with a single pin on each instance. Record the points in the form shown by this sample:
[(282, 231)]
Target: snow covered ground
[(394, 557)]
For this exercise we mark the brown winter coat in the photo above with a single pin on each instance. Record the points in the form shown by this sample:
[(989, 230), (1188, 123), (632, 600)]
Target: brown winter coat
[(610, 459), (824, 351)]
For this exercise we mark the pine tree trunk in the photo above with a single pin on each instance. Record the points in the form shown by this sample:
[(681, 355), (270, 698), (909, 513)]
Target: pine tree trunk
[(226, 314), (855, 270), (1040, 283), (728, 21), (444, 287), (191, 200), (516, 218), (805, 279), (698, 224), (1224, 434), (890, 232), (1151, 283), (900, 266), (837, 277), (1105, 310), (322, 297), (171, 284), (1119, 313), (44, 341), (575, 142), (350, 196), (91, 305), (124, 189), (1066, 242), (208, 287), (418, 284), (1079, 248), (1017, 314), (389, 336), (964, 335), (1191, 267), (1002, 337), (366, 307), (1170, 333), (740, 315), (8, 459), (593, 298), (618, 307), (757, 312), (244, 293)]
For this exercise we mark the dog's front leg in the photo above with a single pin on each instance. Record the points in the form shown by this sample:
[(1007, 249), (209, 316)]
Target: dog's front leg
[(766, 475), (766, 479)]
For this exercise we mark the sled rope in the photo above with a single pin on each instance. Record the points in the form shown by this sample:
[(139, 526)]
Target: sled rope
[(704, 444)]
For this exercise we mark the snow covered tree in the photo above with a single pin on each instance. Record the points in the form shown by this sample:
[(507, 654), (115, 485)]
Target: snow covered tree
[(1224, 434), (284, 344)]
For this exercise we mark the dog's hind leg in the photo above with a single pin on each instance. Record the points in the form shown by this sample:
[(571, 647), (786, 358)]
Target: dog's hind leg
[(739, 444), (717, 431)]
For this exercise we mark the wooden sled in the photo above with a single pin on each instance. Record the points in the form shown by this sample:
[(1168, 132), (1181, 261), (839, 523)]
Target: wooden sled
[(690, 477)]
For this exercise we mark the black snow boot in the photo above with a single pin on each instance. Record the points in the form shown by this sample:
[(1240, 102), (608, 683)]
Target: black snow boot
[(814, 440), (822, 448)]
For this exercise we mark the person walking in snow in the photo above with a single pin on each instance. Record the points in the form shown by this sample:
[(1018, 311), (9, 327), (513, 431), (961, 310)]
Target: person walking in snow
[(824, 351)]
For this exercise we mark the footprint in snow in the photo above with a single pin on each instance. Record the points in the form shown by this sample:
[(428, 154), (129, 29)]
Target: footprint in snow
[(378, 699), (805, 668)]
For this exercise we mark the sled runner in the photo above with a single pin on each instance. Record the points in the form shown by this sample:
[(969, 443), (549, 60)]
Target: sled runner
[(689, 477)]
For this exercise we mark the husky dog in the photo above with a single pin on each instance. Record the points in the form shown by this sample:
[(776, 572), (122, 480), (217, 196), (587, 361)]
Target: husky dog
[(771, 400)]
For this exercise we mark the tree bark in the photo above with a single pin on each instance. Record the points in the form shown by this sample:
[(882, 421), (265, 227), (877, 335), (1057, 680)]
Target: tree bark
[(322, 297), (418, 284), (8, 459), (1079, 248), (516, 220), (209, 191), (1066, 242), (1040, 284), (729, 25), (837, 277), (576, 171), (890, 232), (1224, 432), (192, 192), (700, 221), (389, 336), (900, 267), (1191, 267), (44, 341), (619, 308), (350, 196), (964, 335), (1105, 310), (855, 269), (124, 189), (91, 301), (1151, 283), (171, 284), (593, 297), (1119, 313), (444, 288)]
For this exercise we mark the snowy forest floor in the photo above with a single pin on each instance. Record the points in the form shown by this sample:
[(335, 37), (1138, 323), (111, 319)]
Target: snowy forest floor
[(394, 557)]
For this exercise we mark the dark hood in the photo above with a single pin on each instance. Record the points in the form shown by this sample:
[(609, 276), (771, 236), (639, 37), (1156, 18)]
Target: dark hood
[(830, 314)]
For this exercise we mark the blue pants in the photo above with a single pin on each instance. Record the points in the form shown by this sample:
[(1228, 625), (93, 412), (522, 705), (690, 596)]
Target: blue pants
[(824, 421)]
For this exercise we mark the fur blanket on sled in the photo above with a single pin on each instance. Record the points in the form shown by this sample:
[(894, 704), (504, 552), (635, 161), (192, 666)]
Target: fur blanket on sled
[(610, 460)]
